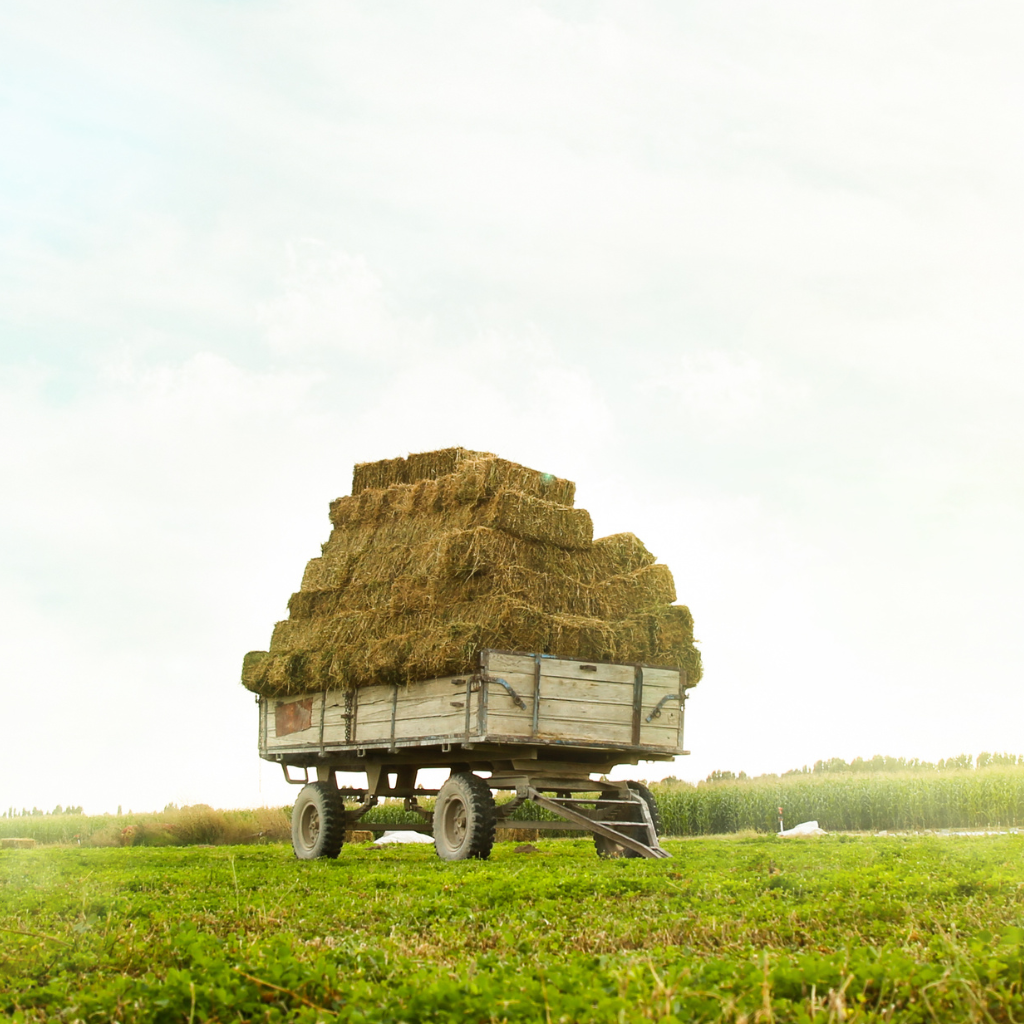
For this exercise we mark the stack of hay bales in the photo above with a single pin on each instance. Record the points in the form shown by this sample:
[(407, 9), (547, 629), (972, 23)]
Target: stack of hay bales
[(438, 556)]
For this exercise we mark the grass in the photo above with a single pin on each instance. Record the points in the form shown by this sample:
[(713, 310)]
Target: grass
[(174, 826), (991, 797), (752, 929)]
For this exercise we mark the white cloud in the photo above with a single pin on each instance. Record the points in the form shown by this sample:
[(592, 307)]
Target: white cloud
[(331, 300), (752, 281), (722, 393), (163, 518)]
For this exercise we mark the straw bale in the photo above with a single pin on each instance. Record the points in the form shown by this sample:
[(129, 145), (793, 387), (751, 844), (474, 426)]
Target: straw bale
[(556, 593), (435, 507), (481, 474), (424, 466), (614, 598), (377, 475), (640, 590), (537, 519), (490, 475), (313, 577), (481, 549), (435, 557), (619, 553), (356, 648), (367, 553)]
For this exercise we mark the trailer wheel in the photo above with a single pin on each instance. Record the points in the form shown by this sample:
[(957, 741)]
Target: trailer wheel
[(608, 848), (318, 822), (464, 818)]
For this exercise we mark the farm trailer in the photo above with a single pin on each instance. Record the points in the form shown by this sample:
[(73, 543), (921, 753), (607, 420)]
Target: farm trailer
[(540, 725)]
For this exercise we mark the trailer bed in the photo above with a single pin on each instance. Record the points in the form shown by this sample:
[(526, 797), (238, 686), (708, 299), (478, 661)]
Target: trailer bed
[(519, 704)]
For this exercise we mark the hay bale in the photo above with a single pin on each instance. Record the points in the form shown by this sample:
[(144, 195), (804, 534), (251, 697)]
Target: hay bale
[(516, 835), (480, 549), (354, 649), (612, 598), (476, 474), (412, 546), (435, 557), (425, 466), (12, 843), (452, 502)]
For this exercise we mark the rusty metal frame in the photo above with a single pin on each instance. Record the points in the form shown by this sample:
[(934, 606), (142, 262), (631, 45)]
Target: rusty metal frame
[(638, 702), (323, 716), (485, 692), (516, 699), (537, 662), (304, 781), (656, 713), (650, 850), (394, 714)]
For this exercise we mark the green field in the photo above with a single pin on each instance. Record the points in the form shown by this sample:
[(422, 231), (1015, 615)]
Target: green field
[(987, 797), (746, 928)]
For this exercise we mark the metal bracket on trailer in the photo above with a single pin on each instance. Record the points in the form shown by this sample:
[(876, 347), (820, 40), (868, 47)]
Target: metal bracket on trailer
[(656, 713), (295, 782), (601, 829), (516, 699)]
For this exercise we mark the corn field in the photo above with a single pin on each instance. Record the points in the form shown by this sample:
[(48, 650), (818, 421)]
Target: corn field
[(983, 798), (991, 797)]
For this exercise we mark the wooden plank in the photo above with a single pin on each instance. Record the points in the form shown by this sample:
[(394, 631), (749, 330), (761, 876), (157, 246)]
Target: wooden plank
[(554, 710), (662, 739), (516, 723), (336, 724), (566, 669), (334, 713), (497, 663), (662, 678), (577, 722), (588, 691), (571, 733), (373, 715), (374, 702), (668, 719), (432, 708), (576, 706), (662, 732), (521, 682), (431, 725)]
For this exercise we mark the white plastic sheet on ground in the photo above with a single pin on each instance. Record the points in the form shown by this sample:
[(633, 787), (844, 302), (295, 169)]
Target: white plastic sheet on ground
[(402, 837), (805, 828)]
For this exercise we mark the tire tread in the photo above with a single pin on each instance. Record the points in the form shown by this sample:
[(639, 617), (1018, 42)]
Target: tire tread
[(480, 801), (332, 820)]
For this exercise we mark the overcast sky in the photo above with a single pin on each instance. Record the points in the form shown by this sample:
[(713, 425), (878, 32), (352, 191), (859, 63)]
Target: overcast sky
[(749, 273)]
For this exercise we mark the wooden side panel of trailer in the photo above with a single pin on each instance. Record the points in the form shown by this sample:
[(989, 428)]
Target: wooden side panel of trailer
[(582, 702), (516, 698)]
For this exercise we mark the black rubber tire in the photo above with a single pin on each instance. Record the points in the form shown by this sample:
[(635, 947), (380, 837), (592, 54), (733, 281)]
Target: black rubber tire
[(652, 804), (464, 818), (608, 849), (318, 822)]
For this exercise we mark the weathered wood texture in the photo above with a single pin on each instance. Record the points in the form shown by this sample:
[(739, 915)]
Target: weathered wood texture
[(560, 702)]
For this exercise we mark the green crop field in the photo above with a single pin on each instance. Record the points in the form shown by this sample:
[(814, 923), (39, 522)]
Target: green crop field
[(746, 928), (987, 797)]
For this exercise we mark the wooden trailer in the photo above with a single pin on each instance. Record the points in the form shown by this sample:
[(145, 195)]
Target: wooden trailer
[(540, 726)]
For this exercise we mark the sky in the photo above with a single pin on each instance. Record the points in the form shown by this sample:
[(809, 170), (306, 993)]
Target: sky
[(748, 273)]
